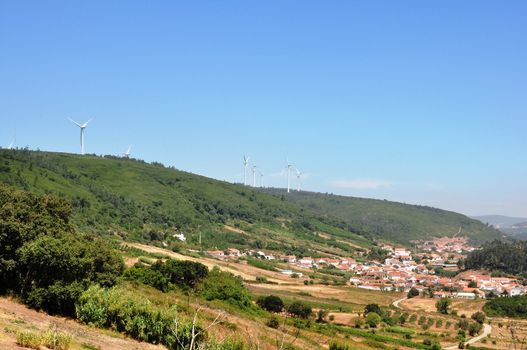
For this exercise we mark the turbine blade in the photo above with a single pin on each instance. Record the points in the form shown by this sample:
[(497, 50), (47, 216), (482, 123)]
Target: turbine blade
[(86, 124), (74, 122)]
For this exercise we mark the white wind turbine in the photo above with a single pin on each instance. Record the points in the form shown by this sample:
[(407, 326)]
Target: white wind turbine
[(298, 175), (127, 153), (254, 176), (261, 179), (245, 163), (82, 127), (288, 176), (11, 145)]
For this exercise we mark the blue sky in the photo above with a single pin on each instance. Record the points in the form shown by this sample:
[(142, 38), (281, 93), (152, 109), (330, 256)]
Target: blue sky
[(416, 101)]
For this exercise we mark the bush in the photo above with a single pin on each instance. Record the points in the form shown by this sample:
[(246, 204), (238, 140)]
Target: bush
[(55, 340), (273, 323), (29, 339), (129, 313), (299, 309), (373, 319), (443, 305), (338, 346), (474, 328), (413, 292), (372, 308), (479, 317), (271, 303), (219, 285)]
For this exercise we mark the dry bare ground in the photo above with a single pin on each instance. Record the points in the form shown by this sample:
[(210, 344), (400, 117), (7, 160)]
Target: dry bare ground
[(467, 307), (15, 316)]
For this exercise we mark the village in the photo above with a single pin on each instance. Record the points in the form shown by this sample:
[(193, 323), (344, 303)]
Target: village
[(400, 270)]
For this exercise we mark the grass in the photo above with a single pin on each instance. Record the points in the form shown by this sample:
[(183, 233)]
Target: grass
[(52, 339)]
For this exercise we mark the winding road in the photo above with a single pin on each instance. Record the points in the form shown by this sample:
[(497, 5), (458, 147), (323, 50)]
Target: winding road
[(487, 329)]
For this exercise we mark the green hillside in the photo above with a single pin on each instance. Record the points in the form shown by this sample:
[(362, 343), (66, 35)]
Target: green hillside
[(150, 202), (394, 221)]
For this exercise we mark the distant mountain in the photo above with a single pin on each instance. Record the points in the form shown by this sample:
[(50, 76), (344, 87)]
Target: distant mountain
[(499, 221), (394, 221)]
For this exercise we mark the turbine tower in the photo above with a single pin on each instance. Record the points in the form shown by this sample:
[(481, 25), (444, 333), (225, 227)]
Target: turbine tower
[(11, 145), (298, 175), (82, 127), (254, 176), (288, 176), (245, 163), (261, 179)]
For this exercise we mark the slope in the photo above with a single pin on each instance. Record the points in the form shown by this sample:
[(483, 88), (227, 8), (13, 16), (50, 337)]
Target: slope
[(150, 202), (391, 220)]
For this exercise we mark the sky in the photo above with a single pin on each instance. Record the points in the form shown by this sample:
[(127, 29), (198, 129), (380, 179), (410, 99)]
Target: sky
[(422, 102)]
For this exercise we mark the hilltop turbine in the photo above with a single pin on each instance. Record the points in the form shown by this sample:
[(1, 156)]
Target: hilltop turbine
[(127, 153), (288, 176), (245, 163), (82, 127), (298, 175), (11, 145), (254, 176)]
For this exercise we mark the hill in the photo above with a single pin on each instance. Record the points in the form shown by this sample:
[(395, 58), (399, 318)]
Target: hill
[(499, 221), (391, 220), (150, 202)]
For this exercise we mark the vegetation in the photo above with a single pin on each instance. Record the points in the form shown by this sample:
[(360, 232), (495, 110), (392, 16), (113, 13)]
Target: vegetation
[(391, 220), (225, 286), (271, 303), (52, 339), (43, 260), (299, 309), (126, 312), (443, 305), (507, 307), (373, 319), (413, 292), (508, 257)]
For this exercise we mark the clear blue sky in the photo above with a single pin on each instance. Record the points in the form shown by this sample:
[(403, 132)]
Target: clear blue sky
[(415, 101)]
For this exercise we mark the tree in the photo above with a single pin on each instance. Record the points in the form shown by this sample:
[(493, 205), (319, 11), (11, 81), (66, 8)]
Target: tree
[(321, 315), (372, 308), (474, 328), (299, 309), (270, 303), (479, 317), (472, 284), (413, 292), (443, 305), (373, 319)]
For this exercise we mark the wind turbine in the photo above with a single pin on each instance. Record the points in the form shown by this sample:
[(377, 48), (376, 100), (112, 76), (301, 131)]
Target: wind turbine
[(82, 127), (261, 179), (288, 176), (11, 145), (254, 176), (127, 153), (245, 163), (298, 175)]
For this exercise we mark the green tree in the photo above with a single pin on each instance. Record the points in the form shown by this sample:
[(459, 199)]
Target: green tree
[(372, 308), (299, 309), (373, 319), (413, 292), (479, 317), (443, 305), (270, 303)]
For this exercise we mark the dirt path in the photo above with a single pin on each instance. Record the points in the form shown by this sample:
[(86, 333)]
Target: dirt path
[(15, 317), (487, 329), (396, 303)]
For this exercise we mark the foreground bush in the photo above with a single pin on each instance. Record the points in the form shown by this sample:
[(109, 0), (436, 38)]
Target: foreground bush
[(299, 309), (52, 339), (270, 303), (126, 312), (225, 286)]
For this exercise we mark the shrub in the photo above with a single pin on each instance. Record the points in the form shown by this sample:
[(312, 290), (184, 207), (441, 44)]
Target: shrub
[(443, 305), (321, 315), (373, 319), (55, 340), (225, 286), (474, 328), (299, 309), (273, 323), (413, 292), (338, 346), (270, 303), (479, 317), (372, 308), (129, 313), (29, 339)]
